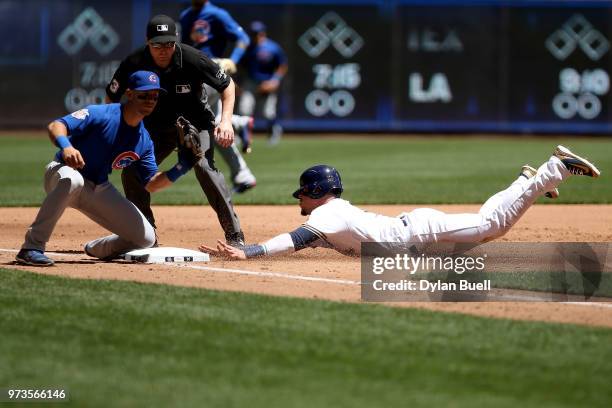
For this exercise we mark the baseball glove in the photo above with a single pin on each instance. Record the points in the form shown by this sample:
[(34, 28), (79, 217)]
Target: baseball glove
[(188, 137), (226, 65)]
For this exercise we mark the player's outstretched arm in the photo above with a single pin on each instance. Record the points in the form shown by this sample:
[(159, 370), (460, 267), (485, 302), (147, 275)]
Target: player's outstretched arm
[(159, 181), (235, 33), (165, 179), (293, 241), (279, 244), (224, 250), (58, 134)]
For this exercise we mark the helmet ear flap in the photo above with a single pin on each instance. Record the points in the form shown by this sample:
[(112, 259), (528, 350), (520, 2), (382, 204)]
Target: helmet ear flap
[(316, 192), (319, 180)]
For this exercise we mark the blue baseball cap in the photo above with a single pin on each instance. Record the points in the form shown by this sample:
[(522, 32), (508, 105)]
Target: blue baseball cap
[(144, 81), (257, 27)]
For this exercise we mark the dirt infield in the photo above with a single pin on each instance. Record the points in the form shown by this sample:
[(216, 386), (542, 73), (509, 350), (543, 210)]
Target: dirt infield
[(310, 273)]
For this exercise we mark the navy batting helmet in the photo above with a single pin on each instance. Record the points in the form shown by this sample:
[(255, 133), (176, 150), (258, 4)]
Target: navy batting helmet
[(319, 180)]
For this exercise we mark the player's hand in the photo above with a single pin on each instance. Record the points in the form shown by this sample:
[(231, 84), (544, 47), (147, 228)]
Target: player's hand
[(224, 133), (271, 85), (224, 250), (72, 157)]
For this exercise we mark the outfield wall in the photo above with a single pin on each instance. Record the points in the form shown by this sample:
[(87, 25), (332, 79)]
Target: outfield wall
[(358, 65)]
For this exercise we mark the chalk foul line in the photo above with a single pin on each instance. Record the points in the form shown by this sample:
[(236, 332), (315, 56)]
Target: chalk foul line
[(289, 276)]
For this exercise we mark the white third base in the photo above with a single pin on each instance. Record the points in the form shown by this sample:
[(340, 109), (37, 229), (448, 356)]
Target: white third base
[(165, 254)]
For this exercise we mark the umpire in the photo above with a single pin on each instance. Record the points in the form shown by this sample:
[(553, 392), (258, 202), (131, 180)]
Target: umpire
[(182, 70)]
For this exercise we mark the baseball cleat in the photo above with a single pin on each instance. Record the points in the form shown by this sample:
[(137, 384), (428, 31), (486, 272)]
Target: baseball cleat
[(87, 250), (242, 187), (33, 257), (577, 165), (244, 180), (528, 172), (235, 239)]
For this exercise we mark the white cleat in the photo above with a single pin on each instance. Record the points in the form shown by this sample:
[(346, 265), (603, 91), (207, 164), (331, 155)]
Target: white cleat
[(577, 165), (244, 180)]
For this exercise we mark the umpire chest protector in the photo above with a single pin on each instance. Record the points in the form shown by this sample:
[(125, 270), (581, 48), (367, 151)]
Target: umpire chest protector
[(183, 80)]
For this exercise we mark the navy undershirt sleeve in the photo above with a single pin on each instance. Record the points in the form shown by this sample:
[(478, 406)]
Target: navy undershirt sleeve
[(303, 237)]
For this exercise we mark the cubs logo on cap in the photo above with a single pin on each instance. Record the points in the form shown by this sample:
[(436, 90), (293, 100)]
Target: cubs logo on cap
[(161, 29), (144, 81)]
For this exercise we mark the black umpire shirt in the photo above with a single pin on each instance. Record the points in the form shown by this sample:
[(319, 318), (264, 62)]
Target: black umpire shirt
[(182, 80)]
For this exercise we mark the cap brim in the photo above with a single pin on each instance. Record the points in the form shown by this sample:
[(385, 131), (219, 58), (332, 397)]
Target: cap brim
[(296, 193), (163, 39), (149, 88)]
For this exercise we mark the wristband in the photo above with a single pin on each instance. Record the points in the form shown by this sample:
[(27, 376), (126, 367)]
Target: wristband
[(252, 251), (62, 142), (177, 171), (277, 77)]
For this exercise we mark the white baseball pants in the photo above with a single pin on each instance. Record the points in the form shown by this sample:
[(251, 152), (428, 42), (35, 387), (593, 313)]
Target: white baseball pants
[(497, 215)]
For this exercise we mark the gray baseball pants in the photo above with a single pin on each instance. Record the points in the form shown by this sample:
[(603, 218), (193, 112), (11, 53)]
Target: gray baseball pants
[(102, 203)]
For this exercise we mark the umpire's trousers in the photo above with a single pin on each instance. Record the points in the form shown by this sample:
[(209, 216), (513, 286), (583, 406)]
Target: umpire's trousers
[(211, 180)]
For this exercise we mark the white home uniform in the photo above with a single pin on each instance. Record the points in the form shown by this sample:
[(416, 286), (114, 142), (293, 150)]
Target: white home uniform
[(341, 226)]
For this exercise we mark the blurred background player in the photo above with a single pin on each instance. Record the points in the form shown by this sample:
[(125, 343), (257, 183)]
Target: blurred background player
[(94, 141), (210, 28), (182, 70), (266, 65)]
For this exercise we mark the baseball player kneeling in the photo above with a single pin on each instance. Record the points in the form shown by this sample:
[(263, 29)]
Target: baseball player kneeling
[(94, 141), (335, 223)]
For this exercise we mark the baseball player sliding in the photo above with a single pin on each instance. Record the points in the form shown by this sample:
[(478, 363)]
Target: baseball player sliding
[(94, 141), (335, 223)]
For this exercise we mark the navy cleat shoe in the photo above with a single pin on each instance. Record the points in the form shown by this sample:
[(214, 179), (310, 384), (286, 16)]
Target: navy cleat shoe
[(528, 172), (235, 239), (33, 257), (577, 165)]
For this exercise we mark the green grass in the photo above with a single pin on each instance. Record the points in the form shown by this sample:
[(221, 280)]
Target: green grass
[(587, 284), (375, 169), (125, 344)]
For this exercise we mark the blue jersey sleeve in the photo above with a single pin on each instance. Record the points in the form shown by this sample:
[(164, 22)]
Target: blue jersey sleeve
[(80, 121), (147, 167), (234, 32)]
